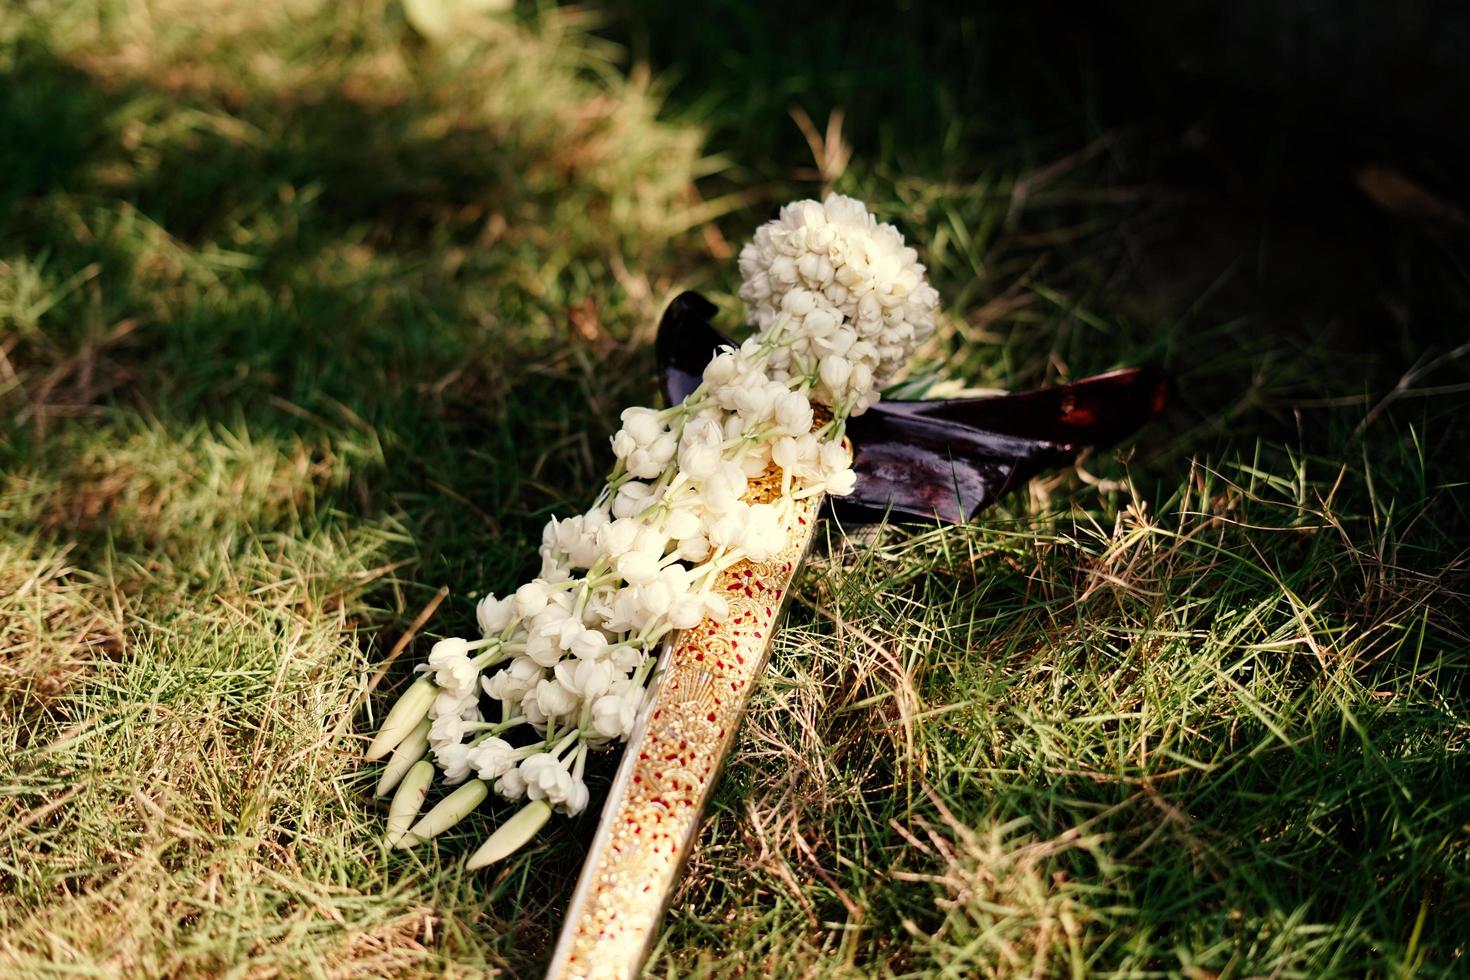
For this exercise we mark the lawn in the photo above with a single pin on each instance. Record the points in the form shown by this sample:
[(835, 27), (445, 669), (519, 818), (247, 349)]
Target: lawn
[(312, 313)]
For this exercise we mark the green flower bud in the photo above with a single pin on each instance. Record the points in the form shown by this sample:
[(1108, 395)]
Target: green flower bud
[(412, 708), (450, 811), (409, 751), (408, 799), (512, 835)]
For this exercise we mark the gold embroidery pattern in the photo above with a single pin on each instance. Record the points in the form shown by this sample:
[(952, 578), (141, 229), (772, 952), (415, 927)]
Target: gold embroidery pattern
[(691, 725)]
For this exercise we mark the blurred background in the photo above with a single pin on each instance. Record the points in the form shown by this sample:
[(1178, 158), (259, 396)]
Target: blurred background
[(308, 309)]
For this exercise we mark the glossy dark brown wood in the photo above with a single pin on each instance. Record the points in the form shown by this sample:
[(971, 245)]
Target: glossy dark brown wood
[(686, 342), (943, 459)]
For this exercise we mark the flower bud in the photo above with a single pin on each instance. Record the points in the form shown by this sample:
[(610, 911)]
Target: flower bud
[(794, 413), (407, 800), (623, 444), (819, 323), (798, 302), (512, 835), (403, 718), (531, 598), (721, 369), (642, 424), (409, 751), (835, 371), (449, 811)]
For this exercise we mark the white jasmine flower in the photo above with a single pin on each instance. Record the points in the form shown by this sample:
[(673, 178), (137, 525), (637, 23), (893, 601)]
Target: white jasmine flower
[(494, 615), (547, 779), (694, 548), (594, 519), (576, 798), (626, 613), (492, 758), (588, 645), (554, 568), (682, 523), (511, 785), (646, 464), (617, 538), (706, 429), (765, 531), (730, 530), (543, 649), (793, 414), (723, 490), (651, 540), (798, 456), (840, 483), (454, 760), (448, 651), (637, 567), (514, 681), (722, 369), (686, 611), (715, 606), (656, 597), (623, 444), (698, 460), (628, 658), (554, 698), (458, 677), (446, 730), (559, 626), (613, 714), (643, 424), (585, 678), (531, 598), (535, 717), (832, 456), (835, 372), (447, 704)]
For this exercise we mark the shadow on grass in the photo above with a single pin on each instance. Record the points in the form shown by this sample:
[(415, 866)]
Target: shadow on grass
[(304, 264)]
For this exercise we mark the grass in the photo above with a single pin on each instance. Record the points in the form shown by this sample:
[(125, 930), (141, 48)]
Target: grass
[(303, 316)]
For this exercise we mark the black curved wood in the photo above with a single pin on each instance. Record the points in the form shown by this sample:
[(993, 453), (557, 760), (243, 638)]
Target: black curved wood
[(944, 459)]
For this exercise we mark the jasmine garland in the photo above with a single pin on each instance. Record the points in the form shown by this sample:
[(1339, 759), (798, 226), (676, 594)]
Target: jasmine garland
[(838, 303)]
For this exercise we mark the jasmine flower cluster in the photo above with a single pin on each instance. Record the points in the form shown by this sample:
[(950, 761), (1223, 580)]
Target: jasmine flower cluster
[(846, 289), (839, 303)]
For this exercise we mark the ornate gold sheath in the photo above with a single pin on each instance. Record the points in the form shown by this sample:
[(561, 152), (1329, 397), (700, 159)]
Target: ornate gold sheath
[(671, 762)]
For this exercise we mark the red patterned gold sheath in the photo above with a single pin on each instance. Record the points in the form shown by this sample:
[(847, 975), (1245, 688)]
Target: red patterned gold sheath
[(673, 757)]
